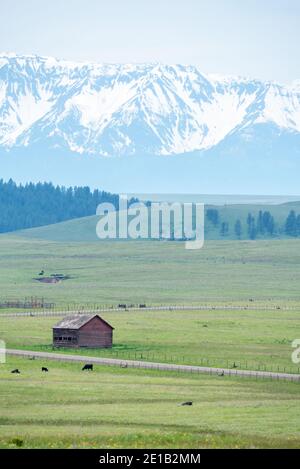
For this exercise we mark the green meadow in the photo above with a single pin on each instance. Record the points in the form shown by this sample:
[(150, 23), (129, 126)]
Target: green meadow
[(258, 340), (116, 408), (256, 281), (155, 272)]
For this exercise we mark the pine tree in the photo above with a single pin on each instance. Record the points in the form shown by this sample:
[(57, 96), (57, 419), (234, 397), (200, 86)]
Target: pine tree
[(260, 223), (252, 231), (224, 229), (238, 229), (291, 224), (213, 216)]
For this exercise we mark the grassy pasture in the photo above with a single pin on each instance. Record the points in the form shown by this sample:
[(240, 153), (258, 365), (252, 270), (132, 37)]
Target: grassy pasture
[(136, 408), (111, 407), (252, 339), (225, 272), (107, 273)]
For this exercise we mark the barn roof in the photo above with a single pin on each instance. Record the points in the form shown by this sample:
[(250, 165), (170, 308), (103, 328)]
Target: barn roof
[(77, 321)]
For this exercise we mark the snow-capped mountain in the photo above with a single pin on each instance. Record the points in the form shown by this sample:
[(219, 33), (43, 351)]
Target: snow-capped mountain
[(133, 109)]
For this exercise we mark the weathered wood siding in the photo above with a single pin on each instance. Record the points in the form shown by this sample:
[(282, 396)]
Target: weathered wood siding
[(95, 334)]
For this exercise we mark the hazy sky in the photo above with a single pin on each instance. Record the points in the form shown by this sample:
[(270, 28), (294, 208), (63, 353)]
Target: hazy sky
[(258, 38)]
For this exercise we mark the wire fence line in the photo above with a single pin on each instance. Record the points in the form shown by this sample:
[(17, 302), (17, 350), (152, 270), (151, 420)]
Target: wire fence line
[(165, 358), (98, 309), (221, 372)]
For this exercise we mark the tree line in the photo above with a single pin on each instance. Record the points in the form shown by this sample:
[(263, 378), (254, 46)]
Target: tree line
[(259, 226), (32, 205)]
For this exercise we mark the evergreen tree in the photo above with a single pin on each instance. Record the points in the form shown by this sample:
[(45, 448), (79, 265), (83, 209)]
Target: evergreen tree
[(252, 230), (271, 226), (265, 223), (213, 216), (260, 223), (291, 224), (238, 229), (224, 229)]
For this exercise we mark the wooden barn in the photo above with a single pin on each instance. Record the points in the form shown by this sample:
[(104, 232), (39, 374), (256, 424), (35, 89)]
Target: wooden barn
[(83, 330)]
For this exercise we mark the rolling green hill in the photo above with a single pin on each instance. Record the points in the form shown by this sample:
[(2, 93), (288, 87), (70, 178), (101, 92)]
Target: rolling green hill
[(84, 229)]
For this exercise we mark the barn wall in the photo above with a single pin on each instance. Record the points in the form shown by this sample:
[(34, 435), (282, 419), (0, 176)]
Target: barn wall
[(95, 334), (65, 335), (102, 341)]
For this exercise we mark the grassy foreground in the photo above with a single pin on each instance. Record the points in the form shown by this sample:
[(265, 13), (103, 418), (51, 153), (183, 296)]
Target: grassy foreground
[(116, 408)]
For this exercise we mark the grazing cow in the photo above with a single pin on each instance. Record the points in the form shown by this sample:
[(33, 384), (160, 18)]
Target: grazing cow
[(44, 369), (221, 373), (187, 403), (124, 365), (16, 371), (87, 367)]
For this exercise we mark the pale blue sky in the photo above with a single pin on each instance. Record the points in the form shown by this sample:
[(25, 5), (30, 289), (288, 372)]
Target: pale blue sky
[(258, 38)]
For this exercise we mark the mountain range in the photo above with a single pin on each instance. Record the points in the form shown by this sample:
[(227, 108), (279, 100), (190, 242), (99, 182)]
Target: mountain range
[(145, 110)]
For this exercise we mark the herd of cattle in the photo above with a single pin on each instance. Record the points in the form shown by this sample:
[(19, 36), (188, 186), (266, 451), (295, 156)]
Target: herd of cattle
[(85, 367), (16, 370), (89, 367)]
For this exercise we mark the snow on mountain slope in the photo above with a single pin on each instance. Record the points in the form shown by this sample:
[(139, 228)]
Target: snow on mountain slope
[(282, 106), (132, 109)]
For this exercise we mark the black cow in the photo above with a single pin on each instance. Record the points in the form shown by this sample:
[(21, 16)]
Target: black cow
[(16, 371), (87, 367), (44, 369), (187, 403)]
